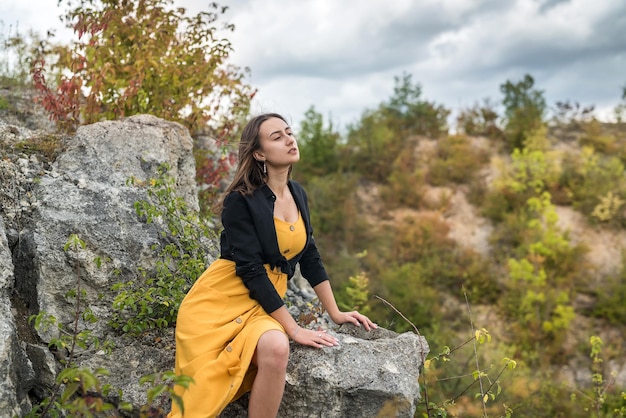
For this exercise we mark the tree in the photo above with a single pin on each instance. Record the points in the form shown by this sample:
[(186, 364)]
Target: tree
[(412, 114), (381, 134), (145, 57), (525, 108), (319, 145)]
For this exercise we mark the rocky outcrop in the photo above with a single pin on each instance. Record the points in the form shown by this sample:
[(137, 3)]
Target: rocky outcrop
[(16, 372), (86, 192), (365, 376)]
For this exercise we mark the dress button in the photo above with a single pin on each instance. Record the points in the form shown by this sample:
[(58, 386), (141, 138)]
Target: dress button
[(229, 349), (238, 320)]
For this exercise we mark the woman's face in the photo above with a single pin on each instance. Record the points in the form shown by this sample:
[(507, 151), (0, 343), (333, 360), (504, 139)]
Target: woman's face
[(279, 148)]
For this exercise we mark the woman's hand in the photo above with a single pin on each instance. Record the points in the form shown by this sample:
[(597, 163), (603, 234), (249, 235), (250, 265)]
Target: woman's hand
[(355, 318), (314, 338)]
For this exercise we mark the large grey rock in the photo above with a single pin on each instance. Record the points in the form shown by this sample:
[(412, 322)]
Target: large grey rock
[(87, 194), (370, 374)]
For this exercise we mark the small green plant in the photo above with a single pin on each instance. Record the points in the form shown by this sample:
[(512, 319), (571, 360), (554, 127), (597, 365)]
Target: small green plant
[(77, 391), (159, 390), (533, 170), (600, 403), (358, 293), (488, 388), (153, 300), (608, 208), (82, 394)]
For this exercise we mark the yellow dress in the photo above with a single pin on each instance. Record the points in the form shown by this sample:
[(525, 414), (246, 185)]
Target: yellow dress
[(218, 327)]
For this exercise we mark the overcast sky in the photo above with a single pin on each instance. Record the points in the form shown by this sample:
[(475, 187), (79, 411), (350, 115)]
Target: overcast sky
[(342, 55)]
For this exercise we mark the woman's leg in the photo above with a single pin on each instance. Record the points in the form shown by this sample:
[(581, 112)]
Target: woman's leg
[(271, 357)]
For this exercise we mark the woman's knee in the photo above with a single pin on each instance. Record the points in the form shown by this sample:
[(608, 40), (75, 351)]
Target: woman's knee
[(273, 350)]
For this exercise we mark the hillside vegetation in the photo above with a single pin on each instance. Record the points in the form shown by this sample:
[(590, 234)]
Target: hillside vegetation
[(501, 243), (515, 224)]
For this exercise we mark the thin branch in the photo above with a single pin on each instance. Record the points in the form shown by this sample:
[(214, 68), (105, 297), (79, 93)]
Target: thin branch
[(399, 313), (480, 380), (426, 400)]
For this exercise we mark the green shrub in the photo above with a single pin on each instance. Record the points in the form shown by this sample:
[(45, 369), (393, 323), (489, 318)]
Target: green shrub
[(406, 285), (154, 299), (544, 272), (456, 161), (373, 145), (410, 115), (479, 121), (595, 137), (405, 183), (589, 177), (610, 296), (423, 243), (532, 171)]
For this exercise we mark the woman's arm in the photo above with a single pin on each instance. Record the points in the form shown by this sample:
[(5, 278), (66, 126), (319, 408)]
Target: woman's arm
[(325, 294), (302, 335)]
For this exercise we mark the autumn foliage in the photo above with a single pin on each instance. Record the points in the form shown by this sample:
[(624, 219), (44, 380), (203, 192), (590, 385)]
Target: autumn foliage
[(144, 56)]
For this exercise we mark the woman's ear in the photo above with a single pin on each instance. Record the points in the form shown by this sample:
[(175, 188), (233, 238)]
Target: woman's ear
[(258, 156)]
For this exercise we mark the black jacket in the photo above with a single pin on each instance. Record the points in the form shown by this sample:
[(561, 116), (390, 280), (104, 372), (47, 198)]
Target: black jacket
[(249, 239)]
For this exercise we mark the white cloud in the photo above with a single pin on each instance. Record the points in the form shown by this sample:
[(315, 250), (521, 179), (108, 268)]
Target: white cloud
[(342, 56)]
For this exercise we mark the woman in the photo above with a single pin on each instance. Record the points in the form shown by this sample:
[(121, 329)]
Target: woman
[(233, 327)]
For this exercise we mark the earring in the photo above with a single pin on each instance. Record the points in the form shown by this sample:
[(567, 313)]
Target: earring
[(264, 168)]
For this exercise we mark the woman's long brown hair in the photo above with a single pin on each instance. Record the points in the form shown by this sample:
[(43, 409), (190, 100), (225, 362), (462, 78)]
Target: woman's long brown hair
[(249, 174)]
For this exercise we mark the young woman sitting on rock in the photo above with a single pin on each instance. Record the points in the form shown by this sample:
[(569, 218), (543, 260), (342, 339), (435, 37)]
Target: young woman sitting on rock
[(233, 327)]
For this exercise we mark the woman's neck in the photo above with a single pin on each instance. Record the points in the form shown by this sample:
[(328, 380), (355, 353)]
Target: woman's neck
[(278, 184)]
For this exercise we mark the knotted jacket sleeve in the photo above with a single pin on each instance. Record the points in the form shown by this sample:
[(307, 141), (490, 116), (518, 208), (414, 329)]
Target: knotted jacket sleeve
[(246, 251)]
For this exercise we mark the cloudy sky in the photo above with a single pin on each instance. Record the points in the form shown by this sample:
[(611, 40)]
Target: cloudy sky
[(342, 55)]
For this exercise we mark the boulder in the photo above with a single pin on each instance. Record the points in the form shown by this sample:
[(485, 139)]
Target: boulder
[(370, 374)]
